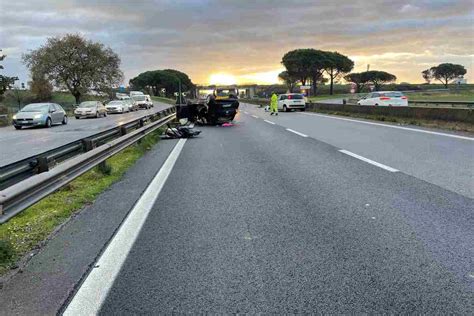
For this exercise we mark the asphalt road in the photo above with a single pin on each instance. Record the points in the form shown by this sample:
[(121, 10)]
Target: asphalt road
[(20, 144), (256, 218), (444, 160)]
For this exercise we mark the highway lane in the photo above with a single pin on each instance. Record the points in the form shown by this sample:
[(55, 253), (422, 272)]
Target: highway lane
[(20, 144), (258, 219), (438, 159)]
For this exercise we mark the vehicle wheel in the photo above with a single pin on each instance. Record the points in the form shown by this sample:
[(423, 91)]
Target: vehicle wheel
[(64, 120), (48, 122), (285, 109), (77, 117), (376, 104), (17, 127)]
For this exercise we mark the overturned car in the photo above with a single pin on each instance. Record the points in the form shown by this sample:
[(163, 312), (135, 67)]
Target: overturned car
[(220, 106)]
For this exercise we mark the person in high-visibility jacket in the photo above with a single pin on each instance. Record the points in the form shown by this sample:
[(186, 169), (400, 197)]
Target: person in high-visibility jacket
[(274, 104)]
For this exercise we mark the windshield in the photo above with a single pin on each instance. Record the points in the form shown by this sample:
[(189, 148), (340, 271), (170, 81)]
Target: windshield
[(226, 92), (295, 96), (138, 97), (36, 107), (393, 94), (115, 103), (88, 104)]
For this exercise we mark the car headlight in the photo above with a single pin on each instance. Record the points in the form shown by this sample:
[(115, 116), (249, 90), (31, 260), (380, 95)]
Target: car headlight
[(14, 117), (38, 116)]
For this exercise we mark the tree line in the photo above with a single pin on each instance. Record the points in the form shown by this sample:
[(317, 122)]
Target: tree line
[(310, 66), (79, 65), (162, 82)]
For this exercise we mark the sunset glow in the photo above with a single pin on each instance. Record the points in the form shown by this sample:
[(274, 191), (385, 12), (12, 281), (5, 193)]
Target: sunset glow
[(222, 79)]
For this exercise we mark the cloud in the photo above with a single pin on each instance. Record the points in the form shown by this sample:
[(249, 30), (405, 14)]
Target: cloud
[(247, 38)]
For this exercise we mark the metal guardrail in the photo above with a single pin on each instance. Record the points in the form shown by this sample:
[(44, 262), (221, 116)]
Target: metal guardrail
[(31, 179), (444, 103)]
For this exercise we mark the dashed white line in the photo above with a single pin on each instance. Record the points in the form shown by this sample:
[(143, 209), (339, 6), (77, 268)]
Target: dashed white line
[(393, 126), (297, 133), (255, 116), (92, 293), (270, 122), (246, 112), (368, 161)]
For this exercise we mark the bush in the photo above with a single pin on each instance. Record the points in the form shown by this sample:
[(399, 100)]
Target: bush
[(6, 252)]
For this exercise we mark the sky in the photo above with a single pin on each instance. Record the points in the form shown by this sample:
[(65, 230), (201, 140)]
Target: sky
[(243, 41)]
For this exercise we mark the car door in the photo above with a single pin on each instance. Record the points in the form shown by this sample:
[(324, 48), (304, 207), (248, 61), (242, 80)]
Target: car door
[(59, 113), (53, 113), (281, 101), (101, 108)]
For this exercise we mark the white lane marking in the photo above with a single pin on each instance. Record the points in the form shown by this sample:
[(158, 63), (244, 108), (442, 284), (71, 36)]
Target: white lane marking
[(393, 126), (270, 122), (246, 112), (255, 116), (375, 163), (297, 133), (92, 293)]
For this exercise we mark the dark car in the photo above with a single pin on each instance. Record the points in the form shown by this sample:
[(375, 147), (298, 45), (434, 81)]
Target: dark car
[(40, 114)]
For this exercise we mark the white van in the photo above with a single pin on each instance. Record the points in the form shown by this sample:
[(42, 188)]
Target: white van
[(132, 93), (289, 101)]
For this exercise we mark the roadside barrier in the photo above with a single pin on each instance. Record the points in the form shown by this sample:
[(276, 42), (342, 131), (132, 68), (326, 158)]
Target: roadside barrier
[(25, 182)]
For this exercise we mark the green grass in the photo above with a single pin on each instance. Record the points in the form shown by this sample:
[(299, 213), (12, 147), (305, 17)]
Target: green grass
[(30, 228), (452, 126), (462, 95), (164, 100)]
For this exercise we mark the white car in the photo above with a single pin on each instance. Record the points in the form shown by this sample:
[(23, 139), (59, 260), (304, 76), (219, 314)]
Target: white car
[(384, 98), (117, 107), (148, 99), (289, 101)]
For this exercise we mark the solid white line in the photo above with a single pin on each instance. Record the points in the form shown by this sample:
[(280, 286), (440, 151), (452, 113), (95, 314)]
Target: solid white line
[(393, 126), (270, 122), (255, 116), (297, 133), (368, 161), (92, 293)]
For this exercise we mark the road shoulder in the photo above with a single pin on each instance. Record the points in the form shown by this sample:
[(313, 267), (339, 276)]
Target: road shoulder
[(45, 283)]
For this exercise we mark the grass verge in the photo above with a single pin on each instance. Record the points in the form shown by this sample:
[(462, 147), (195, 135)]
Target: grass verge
[(28, 230), (452, 126), (164, 100)]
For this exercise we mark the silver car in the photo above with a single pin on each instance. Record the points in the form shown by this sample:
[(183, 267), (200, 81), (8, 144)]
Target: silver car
[(40, 114)]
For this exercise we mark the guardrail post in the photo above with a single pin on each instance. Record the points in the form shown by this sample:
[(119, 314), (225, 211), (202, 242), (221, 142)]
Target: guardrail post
[(123, 130), (42, 165), (88, 144)]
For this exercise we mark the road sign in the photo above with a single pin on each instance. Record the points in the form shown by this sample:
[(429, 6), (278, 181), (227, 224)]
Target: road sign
[(305, 87)]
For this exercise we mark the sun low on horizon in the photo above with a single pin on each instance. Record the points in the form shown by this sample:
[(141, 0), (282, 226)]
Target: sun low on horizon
[(222, 79)]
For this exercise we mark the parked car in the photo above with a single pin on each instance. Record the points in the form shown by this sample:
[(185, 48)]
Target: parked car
[(141, 101), (90, 109), (384, 98), (132, 105), (148, 99), (289, 101), (117, 106), (40, 114)]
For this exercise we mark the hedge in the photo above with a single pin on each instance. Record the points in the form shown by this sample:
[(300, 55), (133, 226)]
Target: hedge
[(428, 113)]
